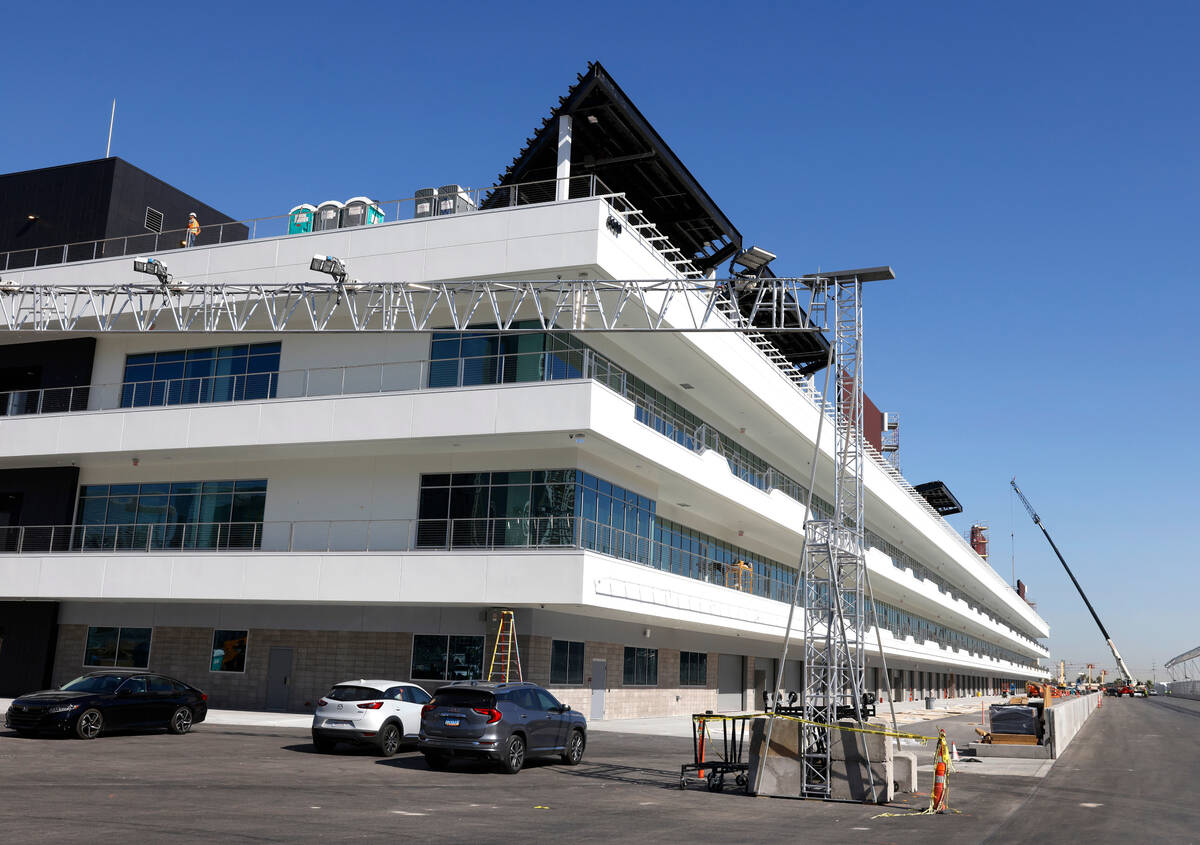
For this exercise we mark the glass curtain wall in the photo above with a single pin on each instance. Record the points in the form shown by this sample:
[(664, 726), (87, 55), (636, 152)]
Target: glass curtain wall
[(192, 376), (171, 515)]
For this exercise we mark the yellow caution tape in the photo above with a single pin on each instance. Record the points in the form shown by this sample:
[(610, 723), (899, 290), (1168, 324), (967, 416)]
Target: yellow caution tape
[(716, 718)]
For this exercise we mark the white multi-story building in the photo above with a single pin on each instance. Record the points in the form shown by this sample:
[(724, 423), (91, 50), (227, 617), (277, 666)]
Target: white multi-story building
[(262, 514)]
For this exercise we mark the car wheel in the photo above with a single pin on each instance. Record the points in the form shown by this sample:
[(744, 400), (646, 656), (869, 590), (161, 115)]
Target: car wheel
[(574, 751), (181, 721), (514, 755), (437, 762), (388, 741), (323, 745), (89, 724)]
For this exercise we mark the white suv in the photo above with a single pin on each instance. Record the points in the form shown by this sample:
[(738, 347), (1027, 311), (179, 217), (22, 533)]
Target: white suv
[(382, 714)]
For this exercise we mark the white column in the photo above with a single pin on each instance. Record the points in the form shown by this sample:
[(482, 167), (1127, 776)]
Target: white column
[(563, 172)]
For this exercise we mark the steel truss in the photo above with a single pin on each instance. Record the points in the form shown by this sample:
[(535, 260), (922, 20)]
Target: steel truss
[(833, 567), (577, 305)]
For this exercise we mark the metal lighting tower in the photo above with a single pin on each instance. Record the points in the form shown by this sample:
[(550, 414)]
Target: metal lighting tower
[(834, 564)]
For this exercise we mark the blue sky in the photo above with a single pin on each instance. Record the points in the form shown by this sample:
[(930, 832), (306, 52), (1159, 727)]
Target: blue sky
[(1029, 170)]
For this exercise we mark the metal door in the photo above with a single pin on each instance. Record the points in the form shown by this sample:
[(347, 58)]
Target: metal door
[(279, 677), (730, 684), (599, 683)]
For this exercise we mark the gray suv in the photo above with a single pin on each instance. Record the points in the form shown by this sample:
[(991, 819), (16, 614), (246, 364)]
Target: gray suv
[(501, 722)]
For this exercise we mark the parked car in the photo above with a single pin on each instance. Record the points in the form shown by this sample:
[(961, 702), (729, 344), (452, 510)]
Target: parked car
[(382, 714), (506, 723), (100, 702)]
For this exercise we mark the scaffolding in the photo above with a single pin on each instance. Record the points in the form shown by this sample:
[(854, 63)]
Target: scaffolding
[(832, 577)]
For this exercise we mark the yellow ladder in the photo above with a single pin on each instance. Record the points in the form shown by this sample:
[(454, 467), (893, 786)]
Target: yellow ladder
[(506, 653)]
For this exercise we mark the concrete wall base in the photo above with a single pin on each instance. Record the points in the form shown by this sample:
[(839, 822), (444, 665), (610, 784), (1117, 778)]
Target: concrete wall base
[(1025, 752), (850, 779)]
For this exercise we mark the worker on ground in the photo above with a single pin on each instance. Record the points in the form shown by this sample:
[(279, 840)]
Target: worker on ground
[(193, 230)]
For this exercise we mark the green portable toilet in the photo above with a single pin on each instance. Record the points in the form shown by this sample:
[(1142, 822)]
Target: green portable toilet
[(361, 211), (300, 219)]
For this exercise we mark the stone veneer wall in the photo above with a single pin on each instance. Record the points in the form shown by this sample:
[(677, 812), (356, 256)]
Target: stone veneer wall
[(323, 658)]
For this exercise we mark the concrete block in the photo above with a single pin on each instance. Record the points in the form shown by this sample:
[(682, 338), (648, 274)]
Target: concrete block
[(855, 747), (1026, 752), (783, 774), (904, 770)]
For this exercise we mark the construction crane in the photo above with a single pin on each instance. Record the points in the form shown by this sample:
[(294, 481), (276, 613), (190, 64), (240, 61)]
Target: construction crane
[(1037, 520)]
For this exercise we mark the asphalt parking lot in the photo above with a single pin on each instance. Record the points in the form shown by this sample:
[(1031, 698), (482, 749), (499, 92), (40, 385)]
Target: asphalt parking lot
[(253, 785)]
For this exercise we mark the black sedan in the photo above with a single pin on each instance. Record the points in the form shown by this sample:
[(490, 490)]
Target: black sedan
[(105, 701)]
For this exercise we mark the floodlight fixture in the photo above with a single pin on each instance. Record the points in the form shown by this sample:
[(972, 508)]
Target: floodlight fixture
[(753, 260), (330, 265), (152, 267)]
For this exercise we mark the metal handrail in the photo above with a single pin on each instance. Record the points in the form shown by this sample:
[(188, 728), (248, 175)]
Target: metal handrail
[(474, 199), (399, 376)]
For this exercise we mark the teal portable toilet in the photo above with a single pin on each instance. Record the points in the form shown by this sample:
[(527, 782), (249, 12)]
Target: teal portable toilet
[(361, 211), (300, 219)]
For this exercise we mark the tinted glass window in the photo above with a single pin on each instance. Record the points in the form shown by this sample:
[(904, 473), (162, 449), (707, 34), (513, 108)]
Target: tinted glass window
[(417, 695), (157, 684), (545, 700), (354, 693), (134, 685), (566, 662), (463, 698), (95, 683), (229, 651)]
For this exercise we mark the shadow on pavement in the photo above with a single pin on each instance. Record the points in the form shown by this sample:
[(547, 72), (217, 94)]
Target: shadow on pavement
[(624, 774)]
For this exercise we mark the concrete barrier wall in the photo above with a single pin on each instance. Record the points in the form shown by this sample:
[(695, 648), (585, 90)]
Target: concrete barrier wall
[(1185, 689), (1064, 719)]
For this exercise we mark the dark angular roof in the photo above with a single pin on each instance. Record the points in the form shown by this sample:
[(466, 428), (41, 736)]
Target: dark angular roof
[(613, 140), (939, 497)]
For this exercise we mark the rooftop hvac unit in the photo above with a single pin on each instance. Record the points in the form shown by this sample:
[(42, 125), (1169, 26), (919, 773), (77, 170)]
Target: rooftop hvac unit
[(454, 199), (329, 216), (426, 201)]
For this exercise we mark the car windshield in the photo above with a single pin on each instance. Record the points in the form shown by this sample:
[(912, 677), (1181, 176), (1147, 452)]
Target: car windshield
[(349, 692), (463, 698), (95, 683)]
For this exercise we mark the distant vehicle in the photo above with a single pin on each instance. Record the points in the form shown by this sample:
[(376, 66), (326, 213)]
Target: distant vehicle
[(506, 723), (106, 701), (1126, 690), (382, 714), (1152, 691)]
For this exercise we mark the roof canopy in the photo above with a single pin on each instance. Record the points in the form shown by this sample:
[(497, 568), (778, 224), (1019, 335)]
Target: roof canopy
[(613, 140), (939, 497)]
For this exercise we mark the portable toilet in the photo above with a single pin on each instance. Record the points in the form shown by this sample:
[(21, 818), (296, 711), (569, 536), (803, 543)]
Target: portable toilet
[(453, 199), (361, 211), (300, 219), (329, 216), (425, 200)]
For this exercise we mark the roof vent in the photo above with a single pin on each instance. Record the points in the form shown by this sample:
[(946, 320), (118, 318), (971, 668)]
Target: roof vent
[(154, 220)]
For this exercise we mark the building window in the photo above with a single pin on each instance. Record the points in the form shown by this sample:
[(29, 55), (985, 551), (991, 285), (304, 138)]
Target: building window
[(171, 515), (486, 357), (693, 668), (441, 658), (192, 376), (490, 509), (566, 662), (228, 651), (124, 647), (641, 667)]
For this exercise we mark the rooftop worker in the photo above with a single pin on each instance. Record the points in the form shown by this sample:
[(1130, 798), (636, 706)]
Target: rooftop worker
[(193, 230)]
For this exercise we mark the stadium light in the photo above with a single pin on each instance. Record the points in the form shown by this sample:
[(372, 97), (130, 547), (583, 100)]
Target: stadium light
[(152, 267), (329, 265)]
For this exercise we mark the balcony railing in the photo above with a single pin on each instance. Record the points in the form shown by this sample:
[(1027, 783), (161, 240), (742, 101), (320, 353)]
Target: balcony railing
[(468, 200)]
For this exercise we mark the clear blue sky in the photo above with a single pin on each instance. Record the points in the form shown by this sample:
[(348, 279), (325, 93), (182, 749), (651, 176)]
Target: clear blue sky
[(1029, 169)]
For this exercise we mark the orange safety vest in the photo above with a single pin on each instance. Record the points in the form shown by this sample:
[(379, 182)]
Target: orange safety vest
[(193, 225)]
